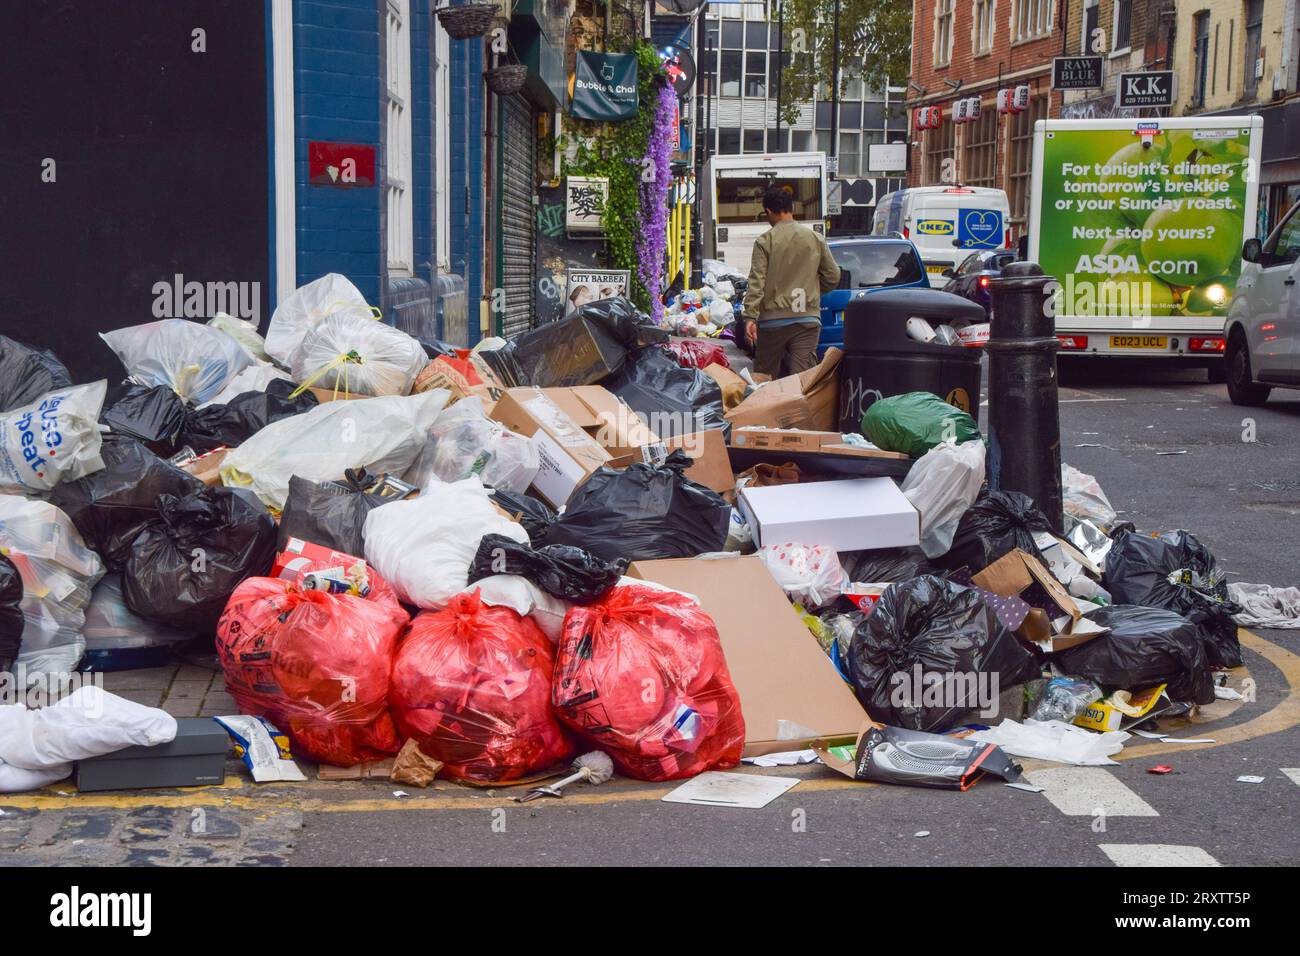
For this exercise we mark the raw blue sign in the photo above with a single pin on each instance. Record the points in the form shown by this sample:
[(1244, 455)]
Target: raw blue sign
[(979, 229), (604, 87)]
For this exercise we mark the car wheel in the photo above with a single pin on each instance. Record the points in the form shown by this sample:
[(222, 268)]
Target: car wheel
[(1241, 389)]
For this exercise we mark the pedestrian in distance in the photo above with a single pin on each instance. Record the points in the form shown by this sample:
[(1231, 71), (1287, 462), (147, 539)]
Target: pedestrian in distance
[(792, 268)]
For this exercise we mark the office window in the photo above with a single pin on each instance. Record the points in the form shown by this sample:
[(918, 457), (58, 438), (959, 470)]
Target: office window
[(756, 36), (777, 139), (822, 115), (1091, 14), (850, 115), (800, 140), (1201, 57), (983, 34), (850, 153), (1254, 32), (873, 115), (823, 142), (730, 70), (940, 145), (397, 179), (753, 141), (756, 73), (943, 32), (979, 167), (729, 141), (733, 34), (1021, 158), (1123, 25), (852, 86), (1033, 18)]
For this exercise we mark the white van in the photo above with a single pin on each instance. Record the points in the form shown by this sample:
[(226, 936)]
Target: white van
[(946, 223)]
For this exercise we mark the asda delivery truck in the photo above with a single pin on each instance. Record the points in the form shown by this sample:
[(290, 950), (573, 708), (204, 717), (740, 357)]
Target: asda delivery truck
[(1141, 222)]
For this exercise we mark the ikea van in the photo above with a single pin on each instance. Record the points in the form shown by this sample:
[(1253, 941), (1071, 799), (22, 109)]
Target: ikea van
[(945, 223)]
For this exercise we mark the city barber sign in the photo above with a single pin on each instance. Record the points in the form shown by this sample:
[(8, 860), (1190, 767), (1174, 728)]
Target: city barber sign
[(604, 87)]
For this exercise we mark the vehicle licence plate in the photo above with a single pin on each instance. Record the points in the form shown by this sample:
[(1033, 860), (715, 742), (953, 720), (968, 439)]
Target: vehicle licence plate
[(936, 270), (1139, 341)]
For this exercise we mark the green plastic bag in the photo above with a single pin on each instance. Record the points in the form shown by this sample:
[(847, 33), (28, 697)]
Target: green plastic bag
[(916, 422)]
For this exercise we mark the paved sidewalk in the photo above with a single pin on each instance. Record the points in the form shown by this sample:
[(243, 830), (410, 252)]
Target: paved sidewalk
[(193, 687)]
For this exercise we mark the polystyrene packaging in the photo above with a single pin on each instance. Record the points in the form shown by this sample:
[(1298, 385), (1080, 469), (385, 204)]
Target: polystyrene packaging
[(424, 546), (193, 360), (472, 684), (464, 441), (55, 438), (378, 434), (331, 294), (357, 355), (59, 573)]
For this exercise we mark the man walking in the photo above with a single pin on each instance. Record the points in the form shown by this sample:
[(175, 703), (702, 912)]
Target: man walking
[(792, 268)]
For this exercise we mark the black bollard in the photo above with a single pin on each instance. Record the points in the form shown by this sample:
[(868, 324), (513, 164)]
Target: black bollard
[(1024, 417)]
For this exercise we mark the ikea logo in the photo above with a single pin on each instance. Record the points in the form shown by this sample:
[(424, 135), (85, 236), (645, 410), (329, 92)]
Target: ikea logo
[(935, 227)]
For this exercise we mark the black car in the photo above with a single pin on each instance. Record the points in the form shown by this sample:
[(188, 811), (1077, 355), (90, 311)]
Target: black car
[(971, 280)]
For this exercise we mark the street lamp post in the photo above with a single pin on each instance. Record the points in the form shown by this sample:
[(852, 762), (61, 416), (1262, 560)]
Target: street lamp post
[(835, 89)]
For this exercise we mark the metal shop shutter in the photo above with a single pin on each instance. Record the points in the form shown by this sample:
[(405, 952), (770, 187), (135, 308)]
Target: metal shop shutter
[(519, 151)]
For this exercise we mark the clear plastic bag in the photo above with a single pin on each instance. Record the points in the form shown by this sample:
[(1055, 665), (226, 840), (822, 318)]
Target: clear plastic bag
[(942, 486), (463, 442), (377, 434), (195, 361), (117, 638), (59, 573), (425, 546), (243, 332), (809, 574), (1064, 698), (1083, 498), (357, 355), (293, 318), (55, 438)]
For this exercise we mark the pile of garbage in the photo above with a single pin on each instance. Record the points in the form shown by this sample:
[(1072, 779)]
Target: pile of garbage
[(710, 309), (481, 564)]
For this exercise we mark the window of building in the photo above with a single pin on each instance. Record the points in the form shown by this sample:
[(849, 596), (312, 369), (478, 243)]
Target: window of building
[(777, 139), (979, 166), (1123, 25), (397, 179), (1200, 57), (823, 141), (850, 116), (850, 154), (1020, 161), (940, 145), (983, 33), (729, 141), (730, 72), (943, 32), (852, 85), (822, 115), (1033, 18), (1254, 33), (756, 36), (800, 140), (733, 34), (1091, 16), (756, 73), (753, 140)]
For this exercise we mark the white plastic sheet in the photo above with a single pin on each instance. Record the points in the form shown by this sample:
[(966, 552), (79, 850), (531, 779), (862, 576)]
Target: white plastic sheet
[(942, 486), (1083, 498), (1263, 605), (464, 441), (195, 361), (59, 573), (331, 294), (424, 546), (255, 378), (38, 747), (54, 439), (357, 355), (1054, 740), (378, 434)]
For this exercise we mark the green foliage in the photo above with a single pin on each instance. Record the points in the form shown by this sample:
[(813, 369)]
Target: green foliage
[(874, 34), (615, 151)]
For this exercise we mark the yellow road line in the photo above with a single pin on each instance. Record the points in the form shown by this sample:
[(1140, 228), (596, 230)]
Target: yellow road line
[(268, 797)]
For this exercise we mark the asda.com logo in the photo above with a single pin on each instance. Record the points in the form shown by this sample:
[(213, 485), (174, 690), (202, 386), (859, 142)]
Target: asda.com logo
[(934, 227)]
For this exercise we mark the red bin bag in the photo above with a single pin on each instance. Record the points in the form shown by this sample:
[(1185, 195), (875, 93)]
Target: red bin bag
[(472, 684), (316, 664), (641, 674)]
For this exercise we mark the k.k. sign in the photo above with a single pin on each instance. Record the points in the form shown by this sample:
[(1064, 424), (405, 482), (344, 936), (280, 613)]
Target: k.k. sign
[(604, 87), (1152, 88)]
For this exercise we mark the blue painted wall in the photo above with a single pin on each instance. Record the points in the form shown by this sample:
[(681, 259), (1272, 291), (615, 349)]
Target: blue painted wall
[(468, 185)]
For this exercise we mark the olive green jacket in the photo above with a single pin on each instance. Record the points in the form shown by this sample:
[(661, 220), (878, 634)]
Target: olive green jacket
[(792, 268)]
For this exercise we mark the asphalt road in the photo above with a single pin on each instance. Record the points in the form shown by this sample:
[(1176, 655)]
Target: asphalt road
[(1241, 497)]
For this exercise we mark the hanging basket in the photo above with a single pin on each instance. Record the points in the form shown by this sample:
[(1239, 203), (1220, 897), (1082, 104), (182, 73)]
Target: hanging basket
[(468, 20), (505, 80)]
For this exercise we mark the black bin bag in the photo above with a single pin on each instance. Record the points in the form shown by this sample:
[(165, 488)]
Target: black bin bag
[(243, 416), (110, 507), (11, 613), (535, 515), (886, 565), (26, 374), (184, 565), (330, 513), (950, 632), (1145, 646), (998, 523), (1176, 572), (643, 512), (152, 416), (674, 401), (565, 572)]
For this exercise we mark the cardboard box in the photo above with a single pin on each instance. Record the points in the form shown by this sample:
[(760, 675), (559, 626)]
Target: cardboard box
[(712, 466), (784, 678), (609, 420), (568, 454), (847, 515), (207, 467), (299, 556), (195, 758), (1011, 574), (807, 400), (733, 386), (800, 440)]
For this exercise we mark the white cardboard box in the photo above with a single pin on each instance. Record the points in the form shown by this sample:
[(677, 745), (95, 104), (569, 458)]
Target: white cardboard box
[(845, 515)]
